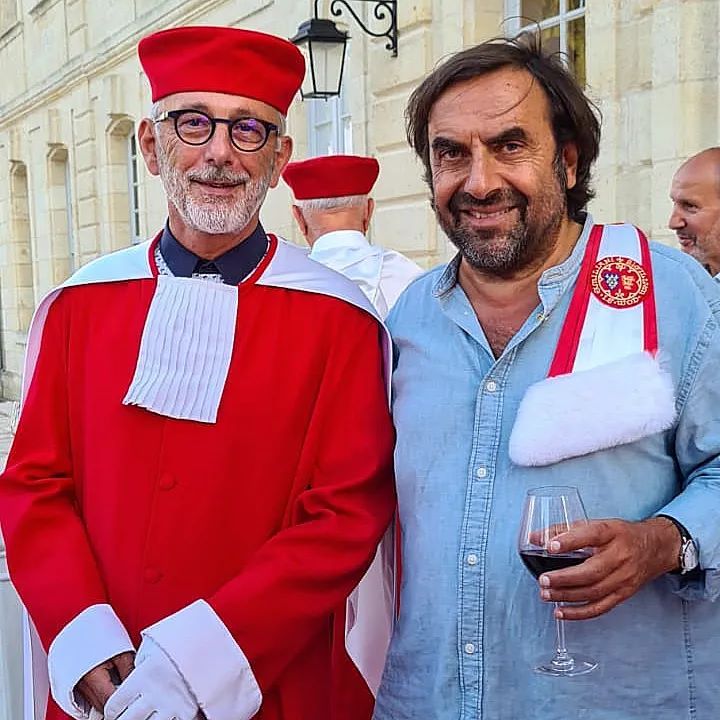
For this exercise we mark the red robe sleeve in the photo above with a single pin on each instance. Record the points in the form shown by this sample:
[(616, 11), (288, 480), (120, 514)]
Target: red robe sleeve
[(49, 556), (288, 590)]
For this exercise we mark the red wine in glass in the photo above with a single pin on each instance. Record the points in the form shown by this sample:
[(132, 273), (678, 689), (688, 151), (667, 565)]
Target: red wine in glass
[(541, 561), (548, 512)]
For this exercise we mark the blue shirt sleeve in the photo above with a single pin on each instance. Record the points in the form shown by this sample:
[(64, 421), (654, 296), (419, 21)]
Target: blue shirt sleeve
[(697, 452)]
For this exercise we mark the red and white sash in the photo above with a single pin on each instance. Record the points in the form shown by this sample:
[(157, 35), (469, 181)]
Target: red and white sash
[(605, 386)]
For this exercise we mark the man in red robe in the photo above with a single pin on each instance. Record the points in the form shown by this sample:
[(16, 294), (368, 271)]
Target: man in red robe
[(202, 469)]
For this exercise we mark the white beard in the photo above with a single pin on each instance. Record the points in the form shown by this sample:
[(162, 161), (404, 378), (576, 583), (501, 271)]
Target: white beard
[(213, 215)]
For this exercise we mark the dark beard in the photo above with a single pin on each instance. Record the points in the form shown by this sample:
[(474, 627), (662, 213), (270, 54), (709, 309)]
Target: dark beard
[(526, 245)]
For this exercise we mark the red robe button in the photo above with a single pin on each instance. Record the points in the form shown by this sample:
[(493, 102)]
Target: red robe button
[(167, 481), (152, 575)]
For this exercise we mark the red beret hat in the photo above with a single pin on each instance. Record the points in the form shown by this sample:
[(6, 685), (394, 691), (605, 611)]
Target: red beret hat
[(224, 60), (331, 176)]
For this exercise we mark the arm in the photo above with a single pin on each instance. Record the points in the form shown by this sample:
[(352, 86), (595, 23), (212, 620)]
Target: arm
[(51, 562), (697, 451), (261, 619), (338, 520)]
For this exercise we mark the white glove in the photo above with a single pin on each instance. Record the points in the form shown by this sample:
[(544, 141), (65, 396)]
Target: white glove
[(154, 690)]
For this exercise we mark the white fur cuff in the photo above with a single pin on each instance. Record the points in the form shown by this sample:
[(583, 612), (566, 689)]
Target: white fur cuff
[(582, 412), (89, 639), (209, 661)]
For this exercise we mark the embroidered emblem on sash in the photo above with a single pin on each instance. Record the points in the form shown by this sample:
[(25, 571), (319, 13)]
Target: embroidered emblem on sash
[(619, 282)]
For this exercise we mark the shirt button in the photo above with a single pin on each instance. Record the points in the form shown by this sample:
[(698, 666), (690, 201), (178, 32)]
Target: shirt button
[(472, 559), (167, 482), (152, 575), (491, 386), (469, 648), (481, 472)]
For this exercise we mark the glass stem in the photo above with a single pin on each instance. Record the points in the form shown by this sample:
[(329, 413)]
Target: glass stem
[(562, 660)]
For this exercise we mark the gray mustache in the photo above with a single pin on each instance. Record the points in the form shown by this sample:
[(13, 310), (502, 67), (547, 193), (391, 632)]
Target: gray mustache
[(214, 175)]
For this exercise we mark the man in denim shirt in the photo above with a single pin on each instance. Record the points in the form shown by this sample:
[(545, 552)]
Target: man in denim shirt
[(508, 140)]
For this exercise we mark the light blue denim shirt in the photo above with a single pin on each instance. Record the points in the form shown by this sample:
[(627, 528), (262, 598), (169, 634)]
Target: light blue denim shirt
[(471, 622)]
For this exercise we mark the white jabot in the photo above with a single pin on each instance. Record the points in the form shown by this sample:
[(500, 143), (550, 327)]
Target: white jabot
[(380, 273), (185, 349)]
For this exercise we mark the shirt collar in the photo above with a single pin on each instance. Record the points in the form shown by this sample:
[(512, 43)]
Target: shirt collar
[(234, 265), (558, 276), (339, 239)]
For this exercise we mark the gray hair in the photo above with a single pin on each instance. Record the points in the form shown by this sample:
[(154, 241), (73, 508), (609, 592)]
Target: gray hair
[(334, 203), (156, 111)]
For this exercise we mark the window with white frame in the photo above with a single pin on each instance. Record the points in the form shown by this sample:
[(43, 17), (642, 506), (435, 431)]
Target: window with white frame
[(329, 126), (134, 189), (561, 24)]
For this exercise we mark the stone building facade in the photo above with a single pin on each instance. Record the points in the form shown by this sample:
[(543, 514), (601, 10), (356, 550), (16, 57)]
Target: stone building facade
[(72, 93)]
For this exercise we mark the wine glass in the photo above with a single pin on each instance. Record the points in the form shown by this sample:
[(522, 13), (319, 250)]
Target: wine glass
[(547, 512)]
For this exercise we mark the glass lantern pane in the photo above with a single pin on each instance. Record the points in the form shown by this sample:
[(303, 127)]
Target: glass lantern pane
[(327, 59), (575, 4), (307, 83)]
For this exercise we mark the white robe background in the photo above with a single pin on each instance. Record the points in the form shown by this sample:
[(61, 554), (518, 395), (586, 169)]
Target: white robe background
[(380, 273)]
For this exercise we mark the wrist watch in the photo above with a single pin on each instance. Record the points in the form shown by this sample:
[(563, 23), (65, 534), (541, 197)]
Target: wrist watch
[(688, 558)]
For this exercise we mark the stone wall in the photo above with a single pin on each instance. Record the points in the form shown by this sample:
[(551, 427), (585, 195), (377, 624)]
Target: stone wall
[(67, 114)]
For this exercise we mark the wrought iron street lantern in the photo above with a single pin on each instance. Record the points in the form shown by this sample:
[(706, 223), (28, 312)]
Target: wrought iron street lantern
[(324, 44)]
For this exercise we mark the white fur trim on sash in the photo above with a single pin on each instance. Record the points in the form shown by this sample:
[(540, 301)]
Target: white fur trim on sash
[(608, 345)]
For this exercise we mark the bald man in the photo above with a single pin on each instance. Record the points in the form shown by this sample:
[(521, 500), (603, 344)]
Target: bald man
[(695, 218)]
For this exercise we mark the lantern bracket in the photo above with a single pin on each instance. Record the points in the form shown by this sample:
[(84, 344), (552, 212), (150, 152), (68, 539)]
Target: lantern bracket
[(384, 11)]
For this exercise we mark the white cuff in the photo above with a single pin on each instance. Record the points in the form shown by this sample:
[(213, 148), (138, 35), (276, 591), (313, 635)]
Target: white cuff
[(89, 639), (210, 661)]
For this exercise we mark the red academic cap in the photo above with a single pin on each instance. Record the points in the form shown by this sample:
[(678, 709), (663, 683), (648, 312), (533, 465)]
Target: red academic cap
[(224, 60), (331, 176)]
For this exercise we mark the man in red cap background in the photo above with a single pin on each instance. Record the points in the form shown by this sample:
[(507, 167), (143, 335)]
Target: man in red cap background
[(333, 211), (202, 469)]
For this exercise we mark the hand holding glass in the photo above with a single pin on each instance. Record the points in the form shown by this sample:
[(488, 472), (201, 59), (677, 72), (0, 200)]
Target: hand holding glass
[(548, 512)]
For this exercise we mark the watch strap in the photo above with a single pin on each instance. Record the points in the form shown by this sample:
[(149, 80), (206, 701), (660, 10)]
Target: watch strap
[(685, 537)]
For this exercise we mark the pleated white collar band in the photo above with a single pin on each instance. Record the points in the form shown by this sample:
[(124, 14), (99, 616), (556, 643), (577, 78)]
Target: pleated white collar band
[(186, 348)]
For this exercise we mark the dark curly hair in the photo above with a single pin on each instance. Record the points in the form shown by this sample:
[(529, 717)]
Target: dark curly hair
[(574, 117)]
